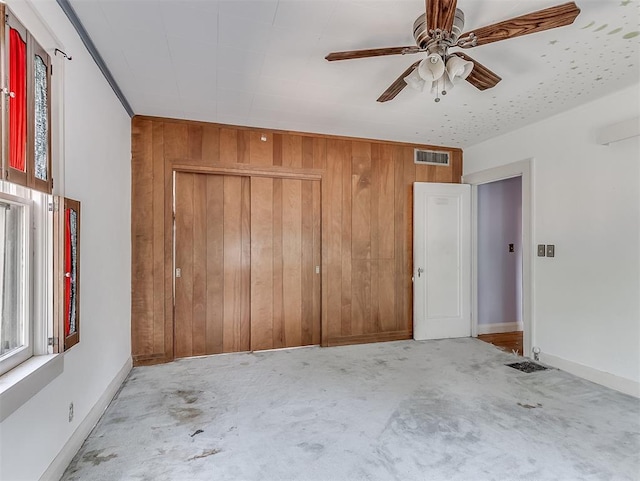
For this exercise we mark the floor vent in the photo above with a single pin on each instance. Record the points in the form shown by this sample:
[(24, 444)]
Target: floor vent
[(527, 366), (430, 157)]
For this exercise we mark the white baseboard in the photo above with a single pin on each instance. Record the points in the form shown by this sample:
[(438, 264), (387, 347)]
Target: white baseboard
[(606, 379), (499, 327), (57, 467)]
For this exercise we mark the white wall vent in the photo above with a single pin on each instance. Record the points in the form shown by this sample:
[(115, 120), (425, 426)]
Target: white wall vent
[(430, 157)]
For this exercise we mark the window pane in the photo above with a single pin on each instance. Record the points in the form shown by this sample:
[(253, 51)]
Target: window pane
[(17, 100), (71, 269), (41, 118), (12, 278)]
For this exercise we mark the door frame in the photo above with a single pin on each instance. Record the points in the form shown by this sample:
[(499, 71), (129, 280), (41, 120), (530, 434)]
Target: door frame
[(244, 170), (523, 169)]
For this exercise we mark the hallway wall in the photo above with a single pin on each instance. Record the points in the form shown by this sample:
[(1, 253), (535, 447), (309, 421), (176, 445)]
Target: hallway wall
[(500, 271)]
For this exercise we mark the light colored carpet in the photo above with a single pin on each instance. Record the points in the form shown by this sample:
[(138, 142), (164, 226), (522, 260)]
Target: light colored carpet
[(434, 410)]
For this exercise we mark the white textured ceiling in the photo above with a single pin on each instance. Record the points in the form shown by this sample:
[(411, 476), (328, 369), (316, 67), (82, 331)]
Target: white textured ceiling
[(261, 63)]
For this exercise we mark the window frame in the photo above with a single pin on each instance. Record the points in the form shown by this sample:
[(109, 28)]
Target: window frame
[(21, 354), (61, 341), (33, 48)]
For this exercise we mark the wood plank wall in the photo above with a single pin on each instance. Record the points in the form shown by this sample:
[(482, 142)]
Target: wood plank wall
[(366, 205)]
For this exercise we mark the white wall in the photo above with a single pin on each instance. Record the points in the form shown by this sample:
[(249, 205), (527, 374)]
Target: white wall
[(500, 271), (96, 172), (586, 201)]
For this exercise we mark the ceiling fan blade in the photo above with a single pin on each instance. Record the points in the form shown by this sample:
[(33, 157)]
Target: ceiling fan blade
[(533, 22), (440, 14), (396, 87), (480, 77), (371, 52)]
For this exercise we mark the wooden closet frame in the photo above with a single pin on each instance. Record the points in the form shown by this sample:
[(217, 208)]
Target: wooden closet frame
[(245, 170)]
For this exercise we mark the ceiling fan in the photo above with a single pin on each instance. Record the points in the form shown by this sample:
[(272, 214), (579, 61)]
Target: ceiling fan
[(440, 29)]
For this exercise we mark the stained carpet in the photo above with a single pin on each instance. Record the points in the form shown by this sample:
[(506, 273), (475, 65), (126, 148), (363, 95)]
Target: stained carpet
[(433, 410)]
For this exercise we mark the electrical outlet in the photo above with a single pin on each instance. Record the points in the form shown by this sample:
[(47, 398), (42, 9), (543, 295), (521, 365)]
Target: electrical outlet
[(70, 412), (542, 250), (511, 248)]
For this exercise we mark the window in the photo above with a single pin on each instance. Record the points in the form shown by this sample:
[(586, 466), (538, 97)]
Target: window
[(15, 281), (39, 306), (26, 110)]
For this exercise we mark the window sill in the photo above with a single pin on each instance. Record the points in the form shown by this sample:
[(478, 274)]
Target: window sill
[(26, 380)]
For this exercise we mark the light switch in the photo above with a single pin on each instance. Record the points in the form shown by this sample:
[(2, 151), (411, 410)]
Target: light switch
[(511, 248), (551, 250), (541, 250)]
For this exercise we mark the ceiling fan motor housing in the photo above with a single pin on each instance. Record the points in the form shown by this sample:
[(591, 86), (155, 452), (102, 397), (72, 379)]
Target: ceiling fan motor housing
[(421, 34)]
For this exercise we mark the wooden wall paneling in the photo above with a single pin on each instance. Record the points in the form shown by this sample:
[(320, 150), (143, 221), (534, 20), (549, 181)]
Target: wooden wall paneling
[(375, 323), (175, 138), (261, 263), (199, 308), (406, 322), (214, 264), (456, 168), (292, 261), (162, 318), (386, 297), (357, 297), (385, 200), (245, 284), (292, 151), (332, 239), (278, 266), (244, 146), (260, 151), (317, 284), (236, 297), (277, 149), (324, 197), (399, 209), (194, 149), (142, 291), (346, 231), (307, 274), (228, 140), (307, 152), (360, 200), (183, 327), (362, 321), (210, 144), (320, 154), (386, 203), (442, 174)]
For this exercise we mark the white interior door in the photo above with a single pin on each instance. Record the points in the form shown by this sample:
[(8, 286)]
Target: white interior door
[(441, 260)]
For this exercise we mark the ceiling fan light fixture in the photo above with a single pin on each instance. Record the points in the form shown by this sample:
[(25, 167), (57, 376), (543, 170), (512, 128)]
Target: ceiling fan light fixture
[(414, 80), (457, 68), (431, 68)]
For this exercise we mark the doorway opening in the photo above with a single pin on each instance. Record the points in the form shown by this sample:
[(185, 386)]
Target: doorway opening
[(501, 279), (499, 263)]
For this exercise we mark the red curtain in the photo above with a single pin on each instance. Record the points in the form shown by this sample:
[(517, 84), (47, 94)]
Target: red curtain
[(18, 103), (67, 270)]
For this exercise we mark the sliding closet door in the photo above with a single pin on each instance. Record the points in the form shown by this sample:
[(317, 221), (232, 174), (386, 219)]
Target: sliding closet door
[(285, 263), (212, 252)]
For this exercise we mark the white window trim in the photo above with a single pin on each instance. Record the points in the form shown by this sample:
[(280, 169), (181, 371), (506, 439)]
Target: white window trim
[(21, 354), (26, 379)]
